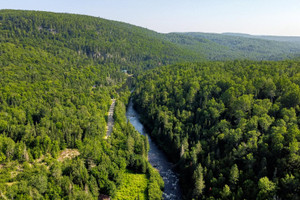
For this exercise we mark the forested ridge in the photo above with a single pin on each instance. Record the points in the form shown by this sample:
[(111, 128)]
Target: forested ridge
[(231, 127), (229, 47), (133, 47), (292, 39), (101, 40), (54, 100)]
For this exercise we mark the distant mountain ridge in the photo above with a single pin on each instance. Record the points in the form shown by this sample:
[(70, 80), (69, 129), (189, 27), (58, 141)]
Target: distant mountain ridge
[(133, 47), (267, 37), (228, 47)]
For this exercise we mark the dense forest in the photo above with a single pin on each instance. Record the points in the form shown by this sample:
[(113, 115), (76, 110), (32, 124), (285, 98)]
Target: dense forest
[(229, 47), (231, 127), (132, 47), (53, 106), (101, 40), (291, 39)]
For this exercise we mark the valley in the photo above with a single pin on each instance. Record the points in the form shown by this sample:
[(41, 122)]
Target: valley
[(92, 108)]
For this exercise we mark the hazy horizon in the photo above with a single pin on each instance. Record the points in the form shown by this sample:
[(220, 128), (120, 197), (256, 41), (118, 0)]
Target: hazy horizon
[(256, 17)]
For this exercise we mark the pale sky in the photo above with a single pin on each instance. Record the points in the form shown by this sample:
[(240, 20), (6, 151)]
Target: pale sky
[(260, 17)]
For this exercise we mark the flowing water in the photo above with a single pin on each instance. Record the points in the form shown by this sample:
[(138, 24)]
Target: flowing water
[(157, 159)]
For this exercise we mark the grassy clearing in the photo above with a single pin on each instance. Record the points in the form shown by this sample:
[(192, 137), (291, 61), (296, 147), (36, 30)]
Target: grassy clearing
[(134, 186)]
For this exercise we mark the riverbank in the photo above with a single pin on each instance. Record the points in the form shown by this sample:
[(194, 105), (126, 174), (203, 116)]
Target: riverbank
[(157, 158)]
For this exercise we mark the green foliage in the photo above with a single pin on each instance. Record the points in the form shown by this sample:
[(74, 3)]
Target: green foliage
[(229, 47), (58, 74), (230, 126), (100, 40), (226, 192), (234, 174), (134, 186), (199, 182), (266, 188), (156, 184), (233, 127)]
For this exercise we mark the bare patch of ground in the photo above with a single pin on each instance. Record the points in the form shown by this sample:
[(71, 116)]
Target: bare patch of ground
[(68, 154), (10, 183)]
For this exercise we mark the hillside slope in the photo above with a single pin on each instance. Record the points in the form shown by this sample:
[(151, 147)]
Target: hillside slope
[(229, 47), (130, 46), (101, 40), (58, 74), (53, 98), (268, 37)]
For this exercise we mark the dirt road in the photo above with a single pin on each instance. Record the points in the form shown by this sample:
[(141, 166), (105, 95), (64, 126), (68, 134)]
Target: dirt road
[(110, 119)]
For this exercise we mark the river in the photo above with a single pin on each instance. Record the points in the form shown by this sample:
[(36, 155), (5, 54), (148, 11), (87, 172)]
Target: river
[(157, 159)]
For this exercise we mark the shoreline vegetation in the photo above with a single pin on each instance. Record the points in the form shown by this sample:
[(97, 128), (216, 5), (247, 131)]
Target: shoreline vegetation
[(231, 125)]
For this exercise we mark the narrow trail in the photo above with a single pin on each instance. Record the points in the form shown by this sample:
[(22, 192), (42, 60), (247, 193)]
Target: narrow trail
[(110, 119)]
